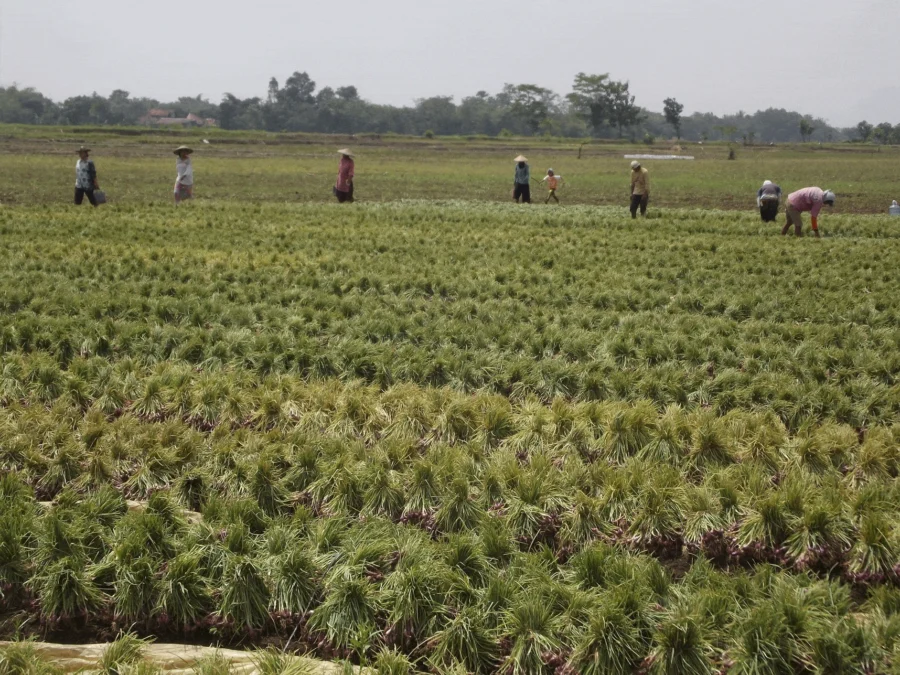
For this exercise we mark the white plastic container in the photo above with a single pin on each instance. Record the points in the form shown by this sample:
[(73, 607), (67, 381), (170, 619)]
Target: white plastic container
[(895, 209)]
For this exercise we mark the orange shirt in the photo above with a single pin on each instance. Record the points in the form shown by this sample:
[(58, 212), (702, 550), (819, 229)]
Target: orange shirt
[(552, 181)]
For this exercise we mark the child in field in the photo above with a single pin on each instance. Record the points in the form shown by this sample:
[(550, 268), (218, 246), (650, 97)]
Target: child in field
[(553, 182)]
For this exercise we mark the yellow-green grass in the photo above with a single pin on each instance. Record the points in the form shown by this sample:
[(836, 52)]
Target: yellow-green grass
[(139, 167)]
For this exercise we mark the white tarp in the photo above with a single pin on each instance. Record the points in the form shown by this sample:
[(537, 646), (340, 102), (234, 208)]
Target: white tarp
[(658, 157), (172, 659)]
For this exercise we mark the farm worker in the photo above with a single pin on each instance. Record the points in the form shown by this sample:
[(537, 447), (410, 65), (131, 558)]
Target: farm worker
[(553, 182), (894, 208), (640, 189), (768, 197), (810, 199), (184, 181), (522, 180), (85, 177), (343, 188)]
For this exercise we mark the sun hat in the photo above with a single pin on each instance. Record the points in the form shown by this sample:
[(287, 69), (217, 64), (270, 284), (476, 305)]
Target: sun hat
[(635, 164), (183, 148), (521, 158), (82, 149), (550, 171), (345, 151), (828, 197), (766, 182)]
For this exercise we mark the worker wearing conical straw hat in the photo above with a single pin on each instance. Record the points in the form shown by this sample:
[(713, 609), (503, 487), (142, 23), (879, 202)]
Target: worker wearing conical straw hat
[(343, 187), (184, 180), (522, 180)]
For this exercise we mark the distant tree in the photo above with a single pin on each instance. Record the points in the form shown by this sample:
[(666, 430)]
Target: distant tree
[(78, 110), (26, 106), (438, 114), (806, 129), (672, 110), (531, 104), (864, 131), (883, 133), (589, 99), (623, 113), (272, 97), (348, 93), (325, 95), (298, 88), (235, 113), (194, 104), (726, 131)]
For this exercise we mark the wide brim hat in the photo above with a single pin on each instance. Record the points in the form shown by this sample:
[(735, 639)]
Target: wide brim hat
[(82, 149), (521, 158), (635, 164), (345, 151), (183, 148)]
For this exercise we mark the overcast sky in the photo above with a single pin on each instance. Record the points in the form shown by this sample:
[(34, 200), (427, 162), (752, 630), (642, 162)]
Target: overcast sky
[(839, 59)]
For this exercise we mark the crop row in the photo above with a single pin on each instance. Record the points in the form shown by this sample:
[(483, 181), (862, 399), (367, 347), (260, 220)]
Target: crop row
[(451, 528), (474, 298)]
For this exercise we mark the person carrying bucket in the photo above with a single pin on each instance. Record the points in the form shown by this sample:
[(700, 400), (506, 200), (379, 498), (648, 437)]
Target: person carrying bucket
[(522, 180), (85, 177)]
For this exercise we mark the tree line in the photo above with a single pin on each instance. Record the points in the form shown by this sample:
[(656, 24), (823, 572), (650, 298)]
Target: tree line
[(596, 107)]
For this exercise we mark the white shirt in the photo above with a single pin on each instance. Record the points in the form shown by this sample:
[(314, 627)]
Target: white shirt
[(185, 171)]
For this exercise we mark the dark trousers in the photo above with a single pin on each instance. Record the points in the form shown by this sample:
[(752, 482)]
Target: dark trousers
[(768, 210), (343, 196), (639, 201), (79, 196), (523, 191)]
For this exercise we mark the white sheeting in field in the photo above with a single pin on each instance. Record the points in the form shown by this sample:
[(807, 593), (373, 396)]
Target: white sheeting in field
[(172, 659), (658, 157)]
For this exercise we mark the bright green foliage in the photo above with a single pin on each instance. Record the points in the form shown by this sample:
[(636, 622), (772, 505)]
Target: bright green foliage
[(22, 658)]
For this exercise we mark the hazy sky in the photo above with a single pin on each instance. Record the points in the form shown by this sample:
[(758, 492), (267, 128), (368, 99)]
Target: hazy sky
[(839, 59)]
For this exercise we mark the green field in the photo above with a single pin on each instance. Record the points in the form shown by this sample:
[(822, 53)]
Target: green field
[(137, 167), (454, 435)]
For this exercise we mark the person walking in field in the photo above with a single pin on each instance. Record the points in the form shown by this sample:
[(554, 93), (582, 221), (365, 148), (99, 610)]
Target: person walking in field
[(810, 199), (522, 180), (553, 182), (184, 181), (768, 199), (640, 189), (85, 178), (343, 187)]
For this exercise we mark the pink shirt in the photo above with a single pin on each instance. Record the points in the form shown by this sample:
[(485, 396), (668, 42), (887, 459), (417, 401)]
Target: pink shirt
[(345, 175), (807, 199)]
